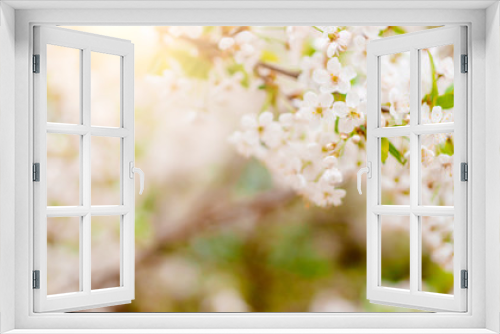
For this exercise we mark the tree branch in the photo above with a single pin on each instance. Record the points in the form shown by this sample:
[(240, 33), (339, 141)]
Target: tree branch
[(289, 73), (205, 216)]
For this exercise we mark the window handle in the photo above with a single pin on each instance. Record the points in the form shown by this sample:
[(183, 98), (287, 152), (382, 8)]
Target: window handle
[(368, 171), (133, 170)]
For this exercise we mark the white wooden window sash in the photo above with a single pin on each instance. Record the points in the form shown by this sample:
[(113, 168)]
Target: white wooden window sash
[(415, 297), (86, 298)]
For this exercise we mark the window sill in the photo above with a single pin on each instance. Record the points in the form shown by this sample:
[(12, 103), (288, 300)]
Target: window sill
[(252, 331)]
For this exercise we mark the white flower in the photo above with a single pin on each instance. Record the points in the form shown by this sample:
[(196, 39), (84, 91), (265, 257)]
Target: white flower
[(270, 132), (372, 32), (447, 67), (244, 46), (330, 161), (351, 112), (436, 114), (257, 131), (286, 120), (325, 195), (244, 145), (335, 78), (300, 147), (226, 43), (359, 55), (315, 107), (400, 104), (339, 42), (427, 156), (332, 176)]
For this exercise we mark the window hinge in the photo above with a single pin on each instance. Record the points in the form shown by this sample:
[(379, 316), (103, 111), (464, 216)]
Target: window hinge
[(36, 172), (465, 64), (465, 279), (36, 279), (464, 171), (36, 63)]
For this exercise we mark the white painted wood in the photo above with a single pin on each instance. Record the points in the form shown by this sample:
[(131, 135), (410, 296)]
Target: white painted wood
[(86, 298), (469, 322), (80, 211), (243, 4), (492, 186), (414, 298), (77, 129), (420, 129), (7, 166), (416, 210), (257, 331)]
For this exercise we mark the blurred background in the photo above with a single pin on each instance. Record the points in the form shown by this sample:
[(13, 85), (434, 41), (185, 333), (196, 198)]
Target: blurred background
[(223, 224)]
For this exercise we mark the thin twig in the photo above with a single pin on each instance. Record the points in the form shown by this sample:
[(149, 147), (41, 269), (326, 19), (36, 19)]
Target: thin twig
[(289, 73)]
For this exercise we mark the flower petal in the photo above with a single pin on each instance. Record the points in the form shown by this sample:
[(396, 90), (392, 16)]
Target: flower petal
[(265, 118), (340, 109), (320, 76), (325, 100), (352, 99), (334, 66), (310, 99)]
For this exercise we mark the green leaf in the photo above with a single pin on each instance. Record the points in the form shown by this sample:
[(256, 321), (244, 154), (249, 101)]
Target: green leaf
[(445, 101), (308, 48), (271, 100), (447, 147), (384, 149), (398, 30), (234, 68), (269, 57), (396, 154), (337, 125), (450, 89), (318, 29), (434, 91)]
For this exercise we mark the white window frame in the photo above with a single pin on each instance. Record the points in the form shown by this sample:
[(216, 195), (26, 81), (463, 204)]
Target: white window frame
[(484, 212), (414, 296), (123, 50)]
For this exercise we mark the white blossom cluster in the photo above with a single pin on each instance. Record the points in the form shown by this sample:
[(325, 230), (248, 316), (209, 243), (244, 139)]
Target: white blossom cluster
[(314, 141), (320, 143), (304, 148)]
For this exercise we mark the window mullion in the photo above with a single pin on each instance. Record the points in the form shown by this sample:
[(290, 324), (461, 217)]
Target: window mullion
[(85, 236), (414, 171)]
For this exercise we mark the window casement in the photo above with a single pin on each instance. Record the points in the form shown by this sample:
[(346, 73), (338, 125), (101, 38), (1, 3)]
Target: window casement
[(85, 133), (415, 132)]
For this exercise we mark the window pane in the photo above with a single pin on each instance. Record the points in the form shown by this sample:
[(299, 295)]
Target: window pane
[(395, 89), (63, 84), (437, 169), (105, 89), (63, 255), (395, 251), (63, 169), (437, 92), (106, 157), (105, 252), (437, 254), (395, 170)]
